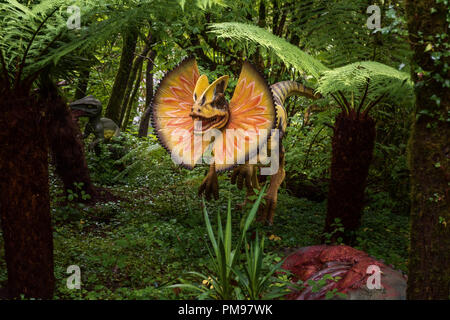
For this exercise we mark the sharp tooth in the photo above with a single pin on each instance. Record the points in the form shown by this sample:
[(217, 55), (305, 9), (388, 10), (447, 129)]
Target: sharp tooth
[(197, 125)]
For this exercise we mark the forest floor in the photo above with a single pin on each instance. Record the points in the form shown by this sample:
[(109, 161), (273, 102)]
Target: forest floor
[(133, 247)]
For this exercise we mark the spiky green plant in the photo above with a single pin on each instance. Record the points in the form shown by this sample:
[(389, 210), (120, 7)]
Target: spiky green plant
[(223, 256), (230, 278), (256, 283)]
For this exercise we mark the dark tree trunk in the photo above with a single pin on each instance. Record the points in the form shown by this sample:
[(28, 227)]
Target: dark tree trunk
[(137, 66), (145, 119), (121, 80), (133, 98), (66, 146), (352, 148), (128, 100), (429, 258), (24, 197), (128, 92)]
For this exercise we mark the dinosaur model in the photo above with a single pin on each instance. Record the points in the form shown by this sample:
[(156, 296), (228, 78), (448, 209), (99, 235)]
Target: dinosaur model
[(354, 269), (102, 128), (193, 118)]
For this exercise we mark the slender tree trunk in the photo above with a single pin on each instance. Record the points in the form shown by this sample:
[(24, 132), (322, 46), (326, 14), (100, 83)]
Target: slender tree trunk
[(145, 119), (24, 196), (127, 96), (66, 145), (133, 99), (429, 259), (137, 65), (352, 149), (121, 80)]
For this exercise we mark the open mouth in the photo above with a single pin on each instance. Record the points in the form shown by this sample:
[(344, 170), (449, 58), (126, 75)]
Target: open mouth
[(76, 113), (201, 124)]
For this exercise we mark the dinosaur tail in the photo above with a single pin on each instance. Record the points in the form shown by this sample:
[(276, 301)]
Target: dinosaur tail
[(283, 89)]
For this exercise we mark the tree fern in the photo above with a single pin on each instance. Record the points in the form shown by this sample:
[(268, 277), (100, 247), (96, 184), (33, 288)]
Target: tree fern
[(350, 79), (380, 79), (288, 53), (32, 38), (337, 32)]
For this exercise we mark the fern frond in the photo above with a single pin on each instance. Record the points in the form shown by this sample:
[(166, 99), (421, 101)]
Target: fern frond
[(337, 32), (353, 78), (286, 52), (338, 82), (32, 38)]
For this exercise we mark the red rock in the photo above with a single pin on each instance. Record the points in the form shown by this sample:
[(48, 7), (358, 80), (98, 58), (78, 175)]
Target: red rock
[(313, 263)]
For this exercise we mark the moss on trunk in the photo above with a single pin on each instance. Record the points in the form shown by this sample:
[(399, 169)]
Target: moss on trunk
[(145, 119), (429, 151), (120, 83)]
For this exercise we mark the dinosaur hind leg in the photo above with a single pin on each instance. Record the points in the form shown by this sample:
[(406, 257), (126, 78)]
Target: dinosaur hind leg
[(246, 174), (210, 184), (267, 212)]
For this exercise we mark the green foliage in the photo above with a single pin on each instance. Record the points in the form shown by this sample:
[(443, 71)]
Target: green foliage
[(337, 32), (229, 279), (254, 283), (144, 153), (78, 192), (288, 53), (39, 38), (317, 285), (132, 247), (223, 256), (353, 78), (365, 79), (104, 164), (308, 145), (337, 228)]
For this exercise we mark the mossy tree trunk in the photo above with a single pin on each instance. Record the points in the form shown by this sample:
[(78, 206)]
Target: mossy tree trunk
[(145, 119), (137, 68), (352, 149), (24, 196), (120, 82), (133, 99), (429, 151)]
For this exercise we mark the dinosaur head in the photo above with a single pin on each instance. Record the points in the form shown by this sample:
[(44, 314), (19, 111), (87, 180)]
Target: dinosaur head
[(89, 111), (210, 109), (86, 107)]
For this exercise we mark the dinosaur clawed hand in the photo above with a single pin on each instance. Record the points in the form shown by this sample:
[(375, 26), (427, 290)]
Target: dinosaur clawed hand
[(210, 186), (245, 174)]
